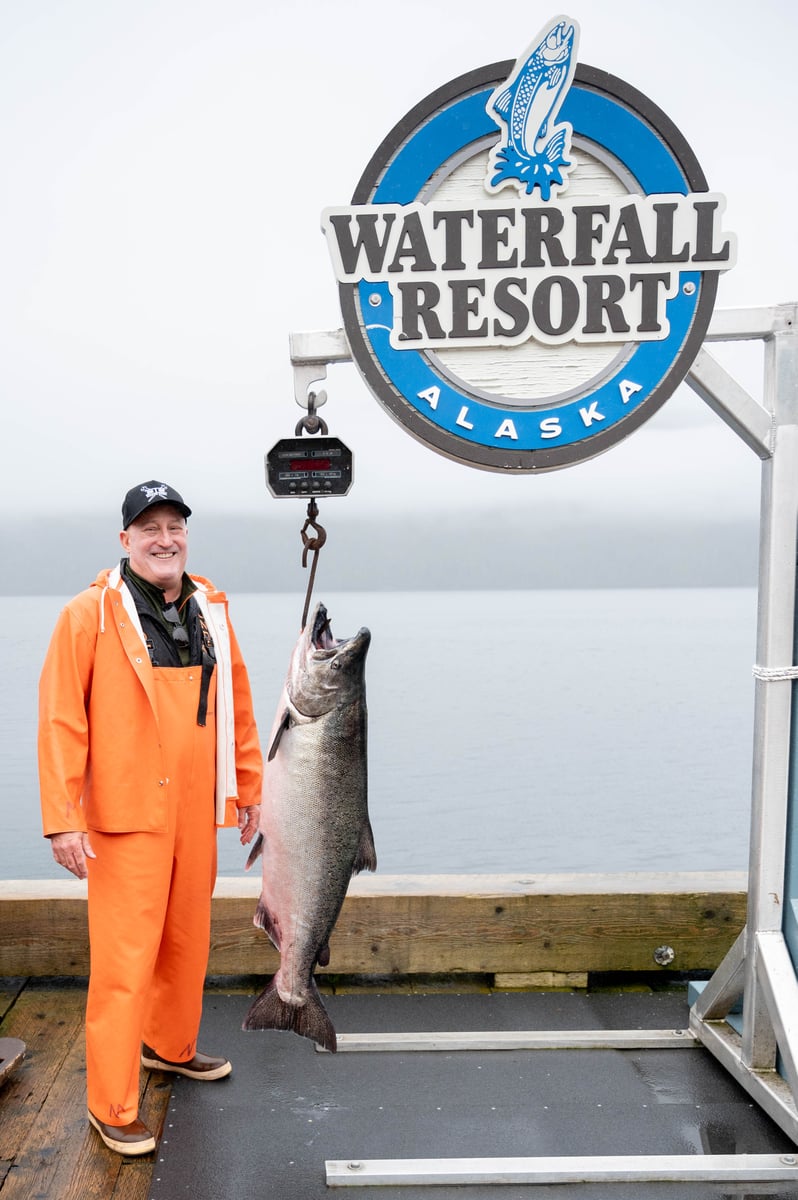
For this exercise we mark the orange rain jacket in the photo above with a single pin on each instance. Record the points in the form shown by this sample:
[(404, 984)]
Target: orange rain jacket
[(100, 760)]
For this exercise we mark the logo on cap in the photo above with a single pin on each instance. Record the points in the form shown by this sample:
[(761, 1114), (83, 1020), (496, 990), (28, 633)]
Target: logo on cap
[(161, 492)]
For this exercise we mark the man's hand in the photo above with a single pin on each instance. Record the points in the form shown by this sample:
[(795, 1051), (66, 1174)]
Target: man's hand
[(248, 822), (71, 850)]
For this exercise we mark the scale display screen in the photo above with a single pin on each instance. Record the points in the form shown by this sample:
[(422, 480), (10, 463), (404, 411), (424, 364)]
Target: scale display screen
[(309, 466)]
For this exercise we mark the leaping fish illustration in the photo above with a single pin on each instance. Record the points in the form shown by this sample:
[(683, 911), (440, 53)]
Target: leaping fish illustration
[(533, 152)]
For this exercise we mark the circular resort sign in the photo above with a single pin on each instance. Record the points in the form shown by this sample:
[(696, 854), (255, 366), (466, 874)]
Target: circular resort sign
[(529, 262)]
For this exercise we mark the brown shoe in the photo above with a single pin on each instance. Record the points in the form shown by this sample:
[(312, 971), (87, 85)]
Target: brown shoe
[(132, 1139), (201, 1066)]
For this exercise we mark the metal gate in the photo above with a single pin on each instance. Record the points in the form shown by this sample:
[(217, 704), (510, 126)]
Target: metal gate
[(759, 970)]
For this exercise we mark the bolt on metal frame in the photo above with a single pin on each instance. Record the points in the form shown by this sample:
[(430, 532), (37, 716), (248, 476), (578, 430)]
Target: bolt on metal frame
[(759, 968)]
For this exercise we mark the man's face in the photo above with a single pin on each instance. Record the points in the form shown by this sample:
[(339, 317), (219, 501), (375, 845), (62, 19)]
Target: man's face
[(157, 543)]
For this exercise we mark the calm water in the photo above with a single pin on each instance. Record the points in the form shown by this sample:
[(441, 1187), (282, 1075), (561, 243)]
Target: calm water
[(509, 731)]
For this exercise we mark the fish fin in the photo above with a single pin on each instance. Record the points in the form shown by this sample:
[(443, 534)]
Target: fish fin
[(255, 852), (555, 147), (366, 855), (263, 920), (323, 956), (310, 1020), (555, 77), (285, 722), (503, 102)]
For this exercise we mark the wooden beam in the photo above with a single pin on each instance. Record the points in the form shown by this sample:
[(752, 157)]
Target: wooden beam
[(411, 925)]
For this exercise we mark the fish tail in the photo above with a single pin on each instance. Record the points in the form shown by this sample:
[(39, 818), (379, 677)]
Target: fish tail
[(309, 1020)]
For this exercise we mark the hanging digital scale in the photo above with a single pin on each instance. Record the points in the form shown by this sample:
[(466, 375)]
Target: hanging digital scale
[(309, 467)]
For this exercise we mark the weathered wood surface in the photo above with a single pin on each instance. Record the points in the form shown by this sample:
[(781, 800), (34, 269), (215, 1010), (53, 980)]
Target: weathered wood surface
[(47, 1147), (405, 925)]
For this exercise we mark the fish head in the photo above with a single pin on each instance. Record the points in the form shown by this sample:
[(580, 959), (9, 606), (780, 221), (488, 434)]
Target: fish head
[(557, 45), (326, 672)]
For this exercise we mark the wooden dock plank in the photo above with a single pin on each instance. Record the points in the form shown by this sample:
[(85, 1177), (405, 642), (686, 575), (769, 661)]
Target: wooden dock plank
[(47, 1147), (58, 1156), (9, 990), (44, 935), (482, 931), (406, 925), (49, 1027)]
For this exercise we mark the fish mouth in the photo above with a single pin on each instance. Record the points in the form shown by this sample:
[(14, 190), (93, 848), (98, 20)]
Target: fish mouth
[(558, 42), (321, 636), (325, 671)]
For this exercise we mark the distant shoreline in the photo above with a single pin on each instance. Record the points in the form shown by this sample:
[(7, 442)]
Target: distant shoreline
[(439, 552)]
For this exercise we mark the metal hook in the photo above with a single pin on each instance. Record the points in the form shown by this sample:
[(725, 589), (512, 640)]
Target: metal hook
[(314, 543), (311, 543), (312, 422)]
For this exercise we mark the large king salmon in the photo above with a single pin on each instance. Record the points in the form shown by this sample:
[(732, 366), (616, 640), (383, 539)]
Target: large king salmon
[(314, 829)]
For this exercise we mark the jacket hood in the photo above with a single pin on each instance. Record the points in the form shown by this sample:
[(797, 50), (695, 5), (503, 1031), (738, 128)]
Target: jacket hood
[(110, 577), (103, 578)]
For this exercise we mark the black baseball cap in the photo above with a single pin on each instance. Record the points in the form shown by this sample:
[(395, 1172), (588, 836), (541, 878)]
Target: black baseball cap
[(145, 495)]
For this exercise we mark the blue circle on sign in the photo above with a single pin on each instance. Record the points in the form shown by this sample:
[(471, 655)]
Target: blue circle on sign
[(461, 424)]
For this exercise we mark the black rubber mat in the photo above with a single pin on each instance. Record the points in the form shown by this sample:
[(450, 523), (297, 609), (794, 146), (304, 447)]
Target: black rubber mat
[(267, 1130)]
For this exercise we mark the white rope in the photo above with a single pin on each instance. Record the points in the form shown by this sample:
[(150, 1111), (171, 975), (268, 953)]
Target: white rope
[(772, 674)]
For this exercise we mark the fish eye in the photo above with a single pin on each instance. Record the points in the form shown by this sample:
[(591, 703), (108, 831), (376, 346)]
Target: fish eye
[(335, 665)]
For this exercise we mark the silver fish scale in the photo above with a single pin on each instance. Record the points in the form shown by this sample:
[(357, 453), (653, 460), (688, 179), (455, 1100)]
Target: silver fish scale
[(323, 812)]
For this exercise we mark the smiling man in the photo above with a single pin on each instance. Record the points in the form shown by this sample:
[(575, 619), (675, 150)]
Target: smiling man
[(156, 538), (147, 743)]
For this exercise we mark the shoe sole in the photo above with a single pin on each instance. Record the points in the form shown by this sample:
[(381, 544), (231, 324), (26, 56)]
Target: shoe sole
[(155, 1064), (145, 1146)]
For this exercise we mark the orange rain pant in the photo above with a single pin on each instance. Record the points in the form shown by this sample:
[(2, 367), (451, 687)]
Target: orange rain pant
[(150, 913)]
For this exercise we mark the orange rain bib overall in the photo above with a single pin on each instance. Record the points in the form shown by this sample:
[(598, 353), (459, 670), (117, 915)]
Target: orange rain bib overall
[(150, 910)]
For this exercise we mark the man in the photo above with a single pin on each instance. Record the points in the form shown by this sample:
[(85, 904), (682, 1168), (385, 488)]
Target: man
[(147, 742)]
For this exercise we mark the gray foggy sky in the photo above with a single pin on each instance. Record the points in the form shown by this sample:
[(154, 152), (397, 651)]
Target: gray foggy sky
[(166, 163)]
